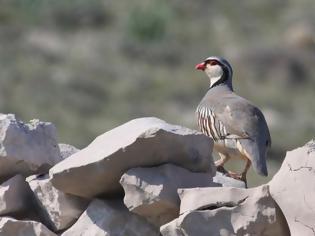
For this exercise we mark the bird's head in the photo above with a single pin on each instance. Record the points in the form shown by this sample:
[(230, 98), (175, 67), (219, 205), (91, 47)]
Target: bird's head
[(218, 70)]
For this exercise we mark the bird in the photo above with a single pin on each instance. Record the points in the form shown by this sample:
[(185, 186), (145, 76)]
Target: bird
[(238, 128)]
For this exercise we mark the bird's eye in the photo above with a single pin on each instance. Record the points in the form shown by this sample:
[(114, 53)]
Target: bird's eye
[(213, 63)]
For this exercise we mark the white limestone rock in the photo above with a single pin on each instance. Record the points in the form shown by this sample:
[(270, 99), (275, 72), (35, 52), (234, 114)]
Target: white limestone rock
[(293, 188), (15, 196), (12, 227), (110, 218), (226, 181), (67, 150), (57, 209), (96, 170), (152, 192), (26, 148), (227, 211)]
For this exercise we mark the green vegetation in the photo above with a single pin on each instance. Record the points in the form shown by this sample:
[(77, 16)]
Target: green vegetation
[(89, 66), (147, 24)]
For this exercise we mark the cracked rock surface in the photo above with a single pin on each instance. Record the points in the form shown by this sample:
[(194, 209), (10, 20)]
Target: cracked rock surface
[(139, 143), (26, 148), (106, 218), (227, 211), (12, 227), (58, 210), (67, 150), (293, 188), (152, 192), (15, 196)]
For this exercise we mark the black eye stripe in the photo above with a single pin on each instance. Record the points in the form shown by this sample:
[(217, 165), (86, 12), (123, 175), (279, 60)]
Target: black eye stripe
[(212, 62)]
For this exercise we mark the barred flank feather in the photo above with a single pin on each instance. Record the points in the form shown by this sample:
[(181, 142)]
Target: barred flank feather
[(209, 125)]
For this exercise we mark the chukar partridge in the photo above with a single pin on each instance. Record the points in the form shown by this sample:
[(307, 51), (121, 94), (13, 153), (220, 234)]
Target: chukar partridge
[(238, 128)]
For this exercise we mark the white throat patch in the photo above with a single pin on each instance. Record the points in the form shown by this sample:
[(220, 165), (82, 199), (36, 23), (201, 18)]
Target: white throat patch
[(214, 73)]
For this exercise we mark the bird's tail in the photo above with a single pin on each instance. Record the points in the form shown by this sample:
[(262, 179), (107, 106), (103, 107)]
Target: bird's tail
[(257, 154)]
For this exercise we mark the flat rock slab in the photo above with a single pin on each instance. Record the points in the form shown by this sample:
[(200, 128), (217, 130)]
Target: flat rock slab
[(152, 192), (58, 210), (293, 188), (104, 218), (15, 196), (26, 148), (227, 211), (12, 227), (96, 170)]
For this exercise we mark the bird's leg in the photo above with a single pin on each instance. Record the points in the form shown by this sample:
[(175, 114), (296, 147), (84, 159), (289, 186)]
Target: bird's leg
[(243, 174), (220, 163), (223, 159)]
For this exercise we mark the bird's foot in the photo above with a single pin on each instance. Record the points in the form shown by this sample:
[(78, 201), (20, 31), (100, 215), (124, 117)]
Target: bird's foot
[(221, 169), (234, 175), (231, 174), (241, 177)]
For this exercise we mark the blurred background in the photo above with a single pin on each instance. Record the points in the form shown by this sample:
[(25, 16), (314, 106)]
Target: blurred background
[(88, 66)]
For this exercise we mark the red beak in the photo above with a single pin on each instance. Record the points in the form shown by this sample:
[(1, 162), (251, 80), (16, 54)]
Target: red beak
[(201, 66)]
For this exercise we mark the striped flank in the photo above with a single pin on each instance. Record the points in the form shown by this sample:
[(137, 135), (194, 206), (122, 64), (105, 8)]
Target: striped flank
[(209, 125)]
